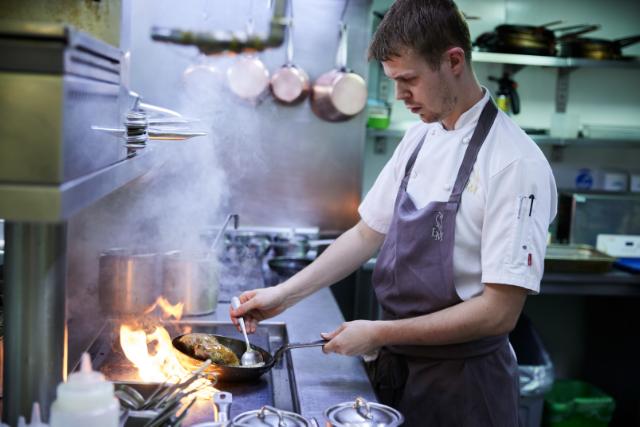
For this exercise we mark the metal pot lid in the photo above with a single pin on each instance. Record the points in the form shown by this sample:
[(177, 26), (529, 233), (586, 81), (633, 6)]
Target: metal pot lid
[(361, 413), (268, 416)]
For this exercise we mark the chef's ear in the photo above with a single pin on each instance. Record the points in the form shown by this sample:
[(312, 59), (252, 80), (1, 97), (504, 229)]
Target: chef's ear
[(455, 60)]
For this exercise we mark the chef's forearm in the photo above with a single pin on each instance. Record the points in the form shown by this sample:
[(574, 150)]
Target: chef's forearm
[(340, 259), (495, 312)]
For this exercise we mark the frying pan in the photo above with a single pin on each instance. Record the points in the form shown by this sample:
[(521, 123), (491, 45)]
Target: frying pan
[(288, 266), (339, 94), (528, 39), (235, 373), (595, 48)]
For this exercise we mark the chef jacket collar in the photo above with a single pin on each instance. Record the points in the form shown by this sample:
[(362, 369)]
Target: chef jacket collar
[(470, 117)]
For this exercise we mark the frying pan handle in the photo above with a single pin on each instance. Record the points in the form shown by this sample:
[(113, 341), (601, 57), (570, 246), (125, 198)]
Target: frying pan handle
[(580, 29), (628, 41), (287, 347), (343, 42)]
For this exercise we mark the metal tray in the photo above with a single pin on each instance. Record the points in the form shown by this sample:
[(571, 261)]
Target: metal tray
[(576, 259)]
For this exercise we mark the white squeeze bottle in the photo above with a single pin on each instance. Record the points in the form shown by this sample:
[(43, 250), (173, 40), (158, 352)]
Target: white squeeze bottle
[(86, 399)]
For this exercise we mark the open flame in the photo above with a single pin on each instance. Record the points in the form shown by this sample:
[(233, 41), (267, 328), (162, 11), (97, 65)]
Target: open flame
[(168, 309), (153, 355)]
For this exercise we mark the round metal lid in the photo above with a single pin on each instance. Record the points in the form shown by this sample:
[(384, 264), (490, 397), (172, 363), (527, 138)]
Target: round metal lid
[(361, 413), (268, 416)]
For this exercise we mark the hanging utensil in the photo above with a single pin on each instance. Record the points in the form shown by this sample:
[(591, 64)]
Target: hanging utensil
[(290, 84), (339, 94), (248, 77)]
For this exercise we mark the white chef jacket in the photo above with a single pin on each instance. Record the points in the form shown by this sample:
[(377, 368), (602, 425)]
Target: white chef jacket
[(506, 207)]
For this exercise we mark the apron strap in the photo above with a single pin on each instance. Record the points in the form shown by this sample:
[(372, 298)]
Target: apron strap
[(412, 160), (485, 122)]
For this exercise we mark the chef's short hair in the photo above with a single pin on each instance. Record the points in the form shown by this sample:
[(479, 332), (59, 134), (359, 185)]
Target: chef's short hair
[(428, 27)]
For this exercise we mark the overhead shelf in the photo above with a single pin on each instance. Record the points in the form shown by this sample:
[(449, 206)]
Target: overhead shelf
[(552, 61), (397, 134)]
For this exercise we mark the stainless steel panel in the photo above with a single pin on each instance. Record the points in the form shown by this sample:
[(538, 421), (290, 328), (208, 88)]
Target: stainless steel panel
[(34, 300), (49, 203), (51, 141)]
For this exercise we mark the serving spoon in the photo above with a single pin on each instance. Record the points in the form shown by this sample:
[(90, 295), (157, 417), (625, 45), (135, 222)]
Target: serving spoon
[(250, 357)]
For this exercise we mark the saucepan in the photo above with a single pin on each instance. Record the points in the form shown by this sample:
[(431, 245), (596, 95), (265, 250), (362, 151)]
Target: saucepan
[(191, 362), (339, 94), (290, 84)]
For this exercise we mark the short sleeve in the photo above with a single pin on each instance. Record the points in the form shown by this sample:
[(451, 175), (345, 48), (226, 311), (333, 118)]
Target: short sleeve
[(376, 210), (521, 202)]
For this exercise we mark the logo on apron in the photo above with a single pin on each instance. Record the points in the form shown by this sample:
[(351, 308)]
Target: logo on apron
[(436, 231)]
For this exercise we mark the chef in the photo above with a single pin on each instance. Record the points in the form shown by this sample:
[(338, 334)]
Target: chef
[(458, 218)]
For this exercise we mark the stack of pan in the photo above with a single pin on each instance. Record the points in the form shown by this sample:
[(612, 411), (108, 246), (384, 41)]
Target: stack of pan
[(530, 39)]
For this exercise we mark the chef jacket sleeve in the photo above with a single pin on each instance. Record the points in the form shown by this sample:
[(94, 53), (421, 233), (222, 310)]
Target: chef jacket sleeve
[(376, 210), (521, 202)]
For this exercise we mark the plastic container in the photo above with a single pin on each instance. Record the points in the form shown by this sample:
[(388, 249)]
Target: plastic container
[(573, 403), (85, 400), (535, 371)]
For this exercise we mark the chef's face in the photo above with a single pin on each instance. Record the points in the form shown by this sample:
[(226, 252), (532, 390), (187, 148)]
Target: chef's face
[(424, 91)]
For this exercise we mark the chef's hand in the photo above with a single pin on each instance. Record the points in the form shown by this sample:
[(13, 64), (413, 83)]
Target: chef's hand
[(257, 305), (352, 338)]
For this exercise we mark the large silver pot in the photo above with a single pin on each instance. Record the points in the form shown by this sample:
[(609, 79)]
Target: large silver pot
[(361, 413), (128, 281), (193, 279)]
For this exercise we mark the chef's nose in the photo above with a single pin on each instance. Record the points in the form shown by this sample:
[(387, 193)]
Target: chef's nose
[(401, 92)]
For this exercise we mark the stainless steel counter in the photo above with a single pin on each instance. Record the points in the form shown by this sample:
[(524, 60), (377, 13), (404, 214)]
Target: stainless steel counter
[(322, 380)]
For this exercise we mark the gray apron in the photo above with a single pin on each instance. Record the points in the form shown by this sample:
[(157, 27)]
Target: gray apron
[(467, 384)]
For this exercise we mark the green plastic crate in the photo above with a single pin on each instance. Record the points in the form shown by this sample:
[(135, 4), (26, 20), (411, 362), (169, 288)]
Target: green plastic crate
[(572, 403)]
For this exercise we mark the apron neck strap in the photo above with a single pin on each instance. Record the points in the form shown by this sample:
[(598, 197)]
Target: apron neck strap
[(485, 122), (412, 160)]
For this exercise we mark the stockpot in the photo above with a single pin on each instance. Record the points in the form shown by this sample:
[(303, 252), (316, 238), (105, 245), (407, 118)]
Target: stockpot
[(128, 281), (361, 413), (193, 279)]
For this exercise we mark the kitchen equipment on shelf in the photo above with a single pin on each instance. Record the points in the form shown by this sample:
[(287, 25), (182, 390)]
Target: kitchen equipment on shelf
[(362, 413), (222, 373), (192, 278), (626, 249), (339, 94), (290, 84), (576, 259), (128, 281), (594, 48), (615, 180), (291, 245), (248, 77), (529, 39), (507, 94), (250, 357), (288, 266), (582, 216)]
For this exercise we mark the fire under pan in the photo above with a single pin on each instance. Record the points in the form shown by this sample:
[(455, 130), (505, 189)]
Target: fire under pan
[(276, 387)]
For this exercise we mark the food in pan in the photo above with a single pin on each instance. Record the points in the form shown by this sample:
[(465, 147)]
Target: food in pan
[(205, 346)]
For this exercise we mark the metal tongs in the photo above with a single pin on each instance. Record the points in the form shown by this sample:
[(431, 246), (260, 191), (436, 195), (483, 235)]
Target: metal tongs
[(164, 407)]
